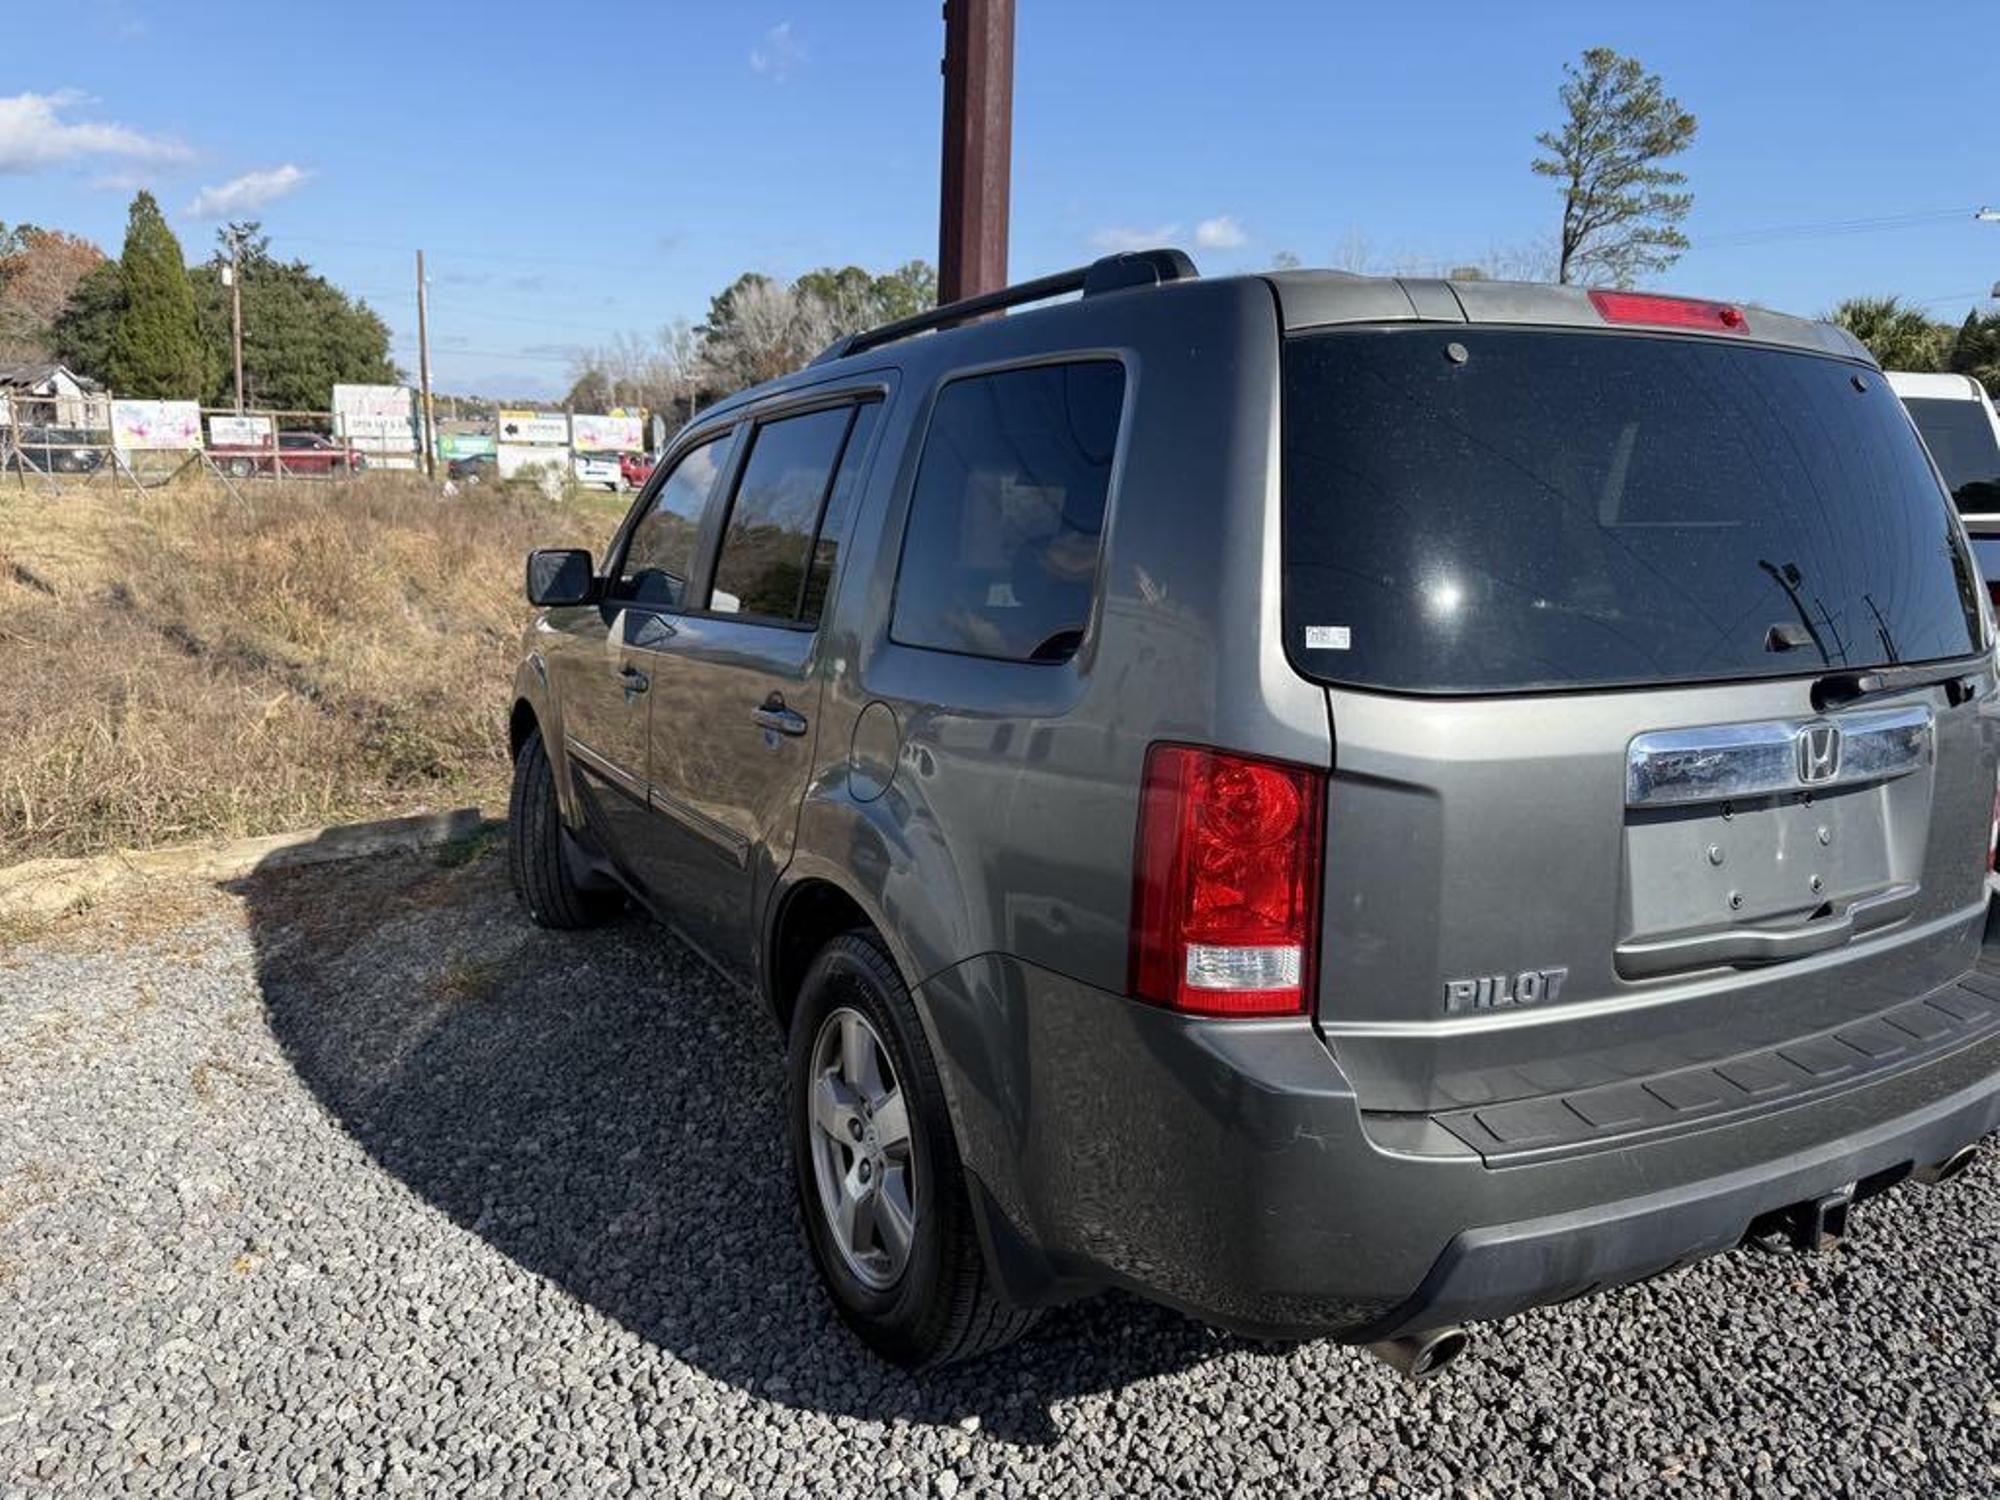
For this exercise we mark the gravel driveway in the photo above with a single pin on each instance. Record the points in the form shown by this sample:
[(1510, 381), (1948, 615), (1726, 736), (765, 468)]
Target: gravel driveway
[(347, 1180)]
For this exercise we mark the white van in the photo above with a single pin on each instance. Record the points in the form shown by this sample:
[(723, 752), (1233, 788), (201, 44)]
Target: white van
[(1960, 429)]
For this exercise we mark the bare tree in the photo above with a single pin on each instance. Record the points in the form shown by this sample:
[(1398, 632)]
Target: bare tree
[(661, 373), (770, 331), (1622, 208)]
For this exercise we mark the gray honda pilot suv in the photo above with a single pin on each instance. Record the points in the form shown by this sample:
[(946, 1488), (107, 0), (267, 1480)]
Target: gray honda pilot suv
[(1344, 805)]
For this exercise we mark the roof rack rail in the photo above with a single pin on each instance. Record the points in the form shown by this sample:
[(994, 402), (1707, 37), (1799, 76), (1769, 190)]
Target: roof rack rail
[(1109, 273)]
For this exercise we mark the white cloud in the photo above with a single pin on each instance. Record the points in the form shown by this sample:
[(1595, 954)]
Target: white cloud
[(250, 191), (1122, 237), (125, 180), (778, 54), (34, 135), (1220, 233)]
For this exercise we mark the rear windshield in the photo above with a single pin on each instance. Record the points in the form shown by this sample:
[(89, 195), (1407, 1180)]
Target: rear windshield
[(1961, 440), (1502, 510)]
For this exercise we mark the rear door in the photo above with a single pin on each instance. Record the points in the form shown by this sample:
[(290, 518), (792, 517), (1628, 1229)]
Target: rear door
[(736, 699), (1659, 694)]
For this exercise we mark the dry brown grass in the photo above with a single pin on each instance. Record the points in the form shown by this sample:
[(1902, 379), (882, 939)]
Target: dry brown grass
[(183, 664)]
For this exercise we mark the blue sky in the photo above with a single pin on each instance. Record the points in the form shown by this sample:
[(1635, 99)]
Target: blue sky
[(578, 170)]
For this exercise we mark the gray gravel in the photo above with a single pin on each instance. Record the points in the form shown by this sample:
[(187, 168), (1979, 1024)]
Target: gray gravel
[(348, 1181)]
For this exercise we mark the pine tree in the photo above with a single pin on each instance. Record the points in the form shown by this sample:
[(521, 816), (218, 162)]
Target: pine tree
[(1622, 205), (156, 349)]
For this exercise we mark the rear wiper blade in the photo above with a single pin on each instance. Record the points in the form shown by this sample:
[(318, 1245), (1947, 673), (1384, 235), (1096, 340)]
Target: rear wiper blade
[(1838, 689)]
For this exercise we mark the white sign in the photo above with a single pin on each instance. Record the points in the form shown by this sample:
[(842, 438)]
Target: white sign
[(608, 434), (374, 401), (534, 427), (156, 424), (510, 458), (239, 432), (377, 419)]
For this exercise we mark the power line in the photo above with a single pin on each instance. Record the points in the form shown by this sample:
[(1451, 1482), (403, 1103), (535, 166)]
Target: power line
[(406, 345), (1832, 227), (642, 268)]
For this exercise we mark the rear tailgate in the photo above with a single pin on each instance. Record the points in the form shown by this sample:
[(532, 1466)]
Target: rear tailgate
[(1627, 825), (1535, 935)]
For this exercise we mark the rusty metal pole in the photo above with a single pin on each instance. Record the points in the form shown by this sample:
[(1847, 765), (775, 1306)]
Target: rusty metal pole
[(978, 147)]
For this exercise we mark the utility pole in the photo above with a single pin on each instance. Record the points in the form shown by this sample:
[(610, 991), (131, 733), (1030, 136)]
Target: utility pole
[(424, 374), (978, 147), (236, 307)]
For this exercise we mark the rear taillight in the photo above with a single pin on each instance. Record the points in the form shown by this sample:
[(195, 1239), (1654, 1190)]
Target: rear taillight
[(1993, 834), (1668, 312), (1225, 890)]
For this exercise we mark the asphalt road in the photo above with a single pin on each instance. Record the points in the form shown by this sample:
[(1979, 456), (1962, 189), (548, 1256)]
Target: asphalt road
[(347, 1181)]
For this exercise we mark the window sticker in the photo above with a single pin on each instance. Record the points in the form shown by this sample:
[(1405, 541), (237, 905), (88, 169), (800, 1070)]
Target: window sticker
[(1327, 638)]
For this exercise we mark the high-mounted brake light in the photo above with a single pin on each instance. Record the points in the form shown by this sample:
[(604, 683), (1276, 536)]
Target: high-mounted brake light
[(1225, 889), (1668, 312)]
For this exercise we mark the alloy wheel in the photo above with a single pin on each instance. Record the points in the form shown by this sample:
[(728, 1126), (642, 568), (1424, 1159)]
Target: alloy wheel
[(860, 1133)]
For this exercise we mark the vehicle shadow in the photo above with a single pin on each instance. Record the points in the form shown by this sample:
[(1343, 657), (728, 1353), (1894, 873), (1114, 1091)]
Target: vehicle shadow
[(601, 1109)]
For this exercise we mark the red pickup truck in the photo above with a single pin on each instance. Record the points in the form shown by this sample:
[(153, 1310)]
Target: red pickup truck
[(297, 453)]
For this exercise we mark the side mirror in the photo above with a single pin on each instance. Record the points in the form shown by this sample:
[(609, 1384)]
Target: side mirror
[(560, 575)]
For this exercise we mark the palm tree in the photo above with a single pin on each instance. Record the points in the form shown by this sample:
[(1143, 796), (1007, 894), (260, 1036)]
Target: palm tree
[(1899, 336)]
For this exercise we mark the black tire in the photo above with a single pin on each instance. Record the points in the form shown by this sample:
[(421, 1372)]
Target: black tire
[(944, 1306), (240, 468), (542, 882)]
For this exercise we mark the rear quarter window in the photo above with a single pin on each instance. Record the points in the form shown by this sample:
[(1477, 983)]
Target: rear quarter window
[(1007, 518), (1495, 510)]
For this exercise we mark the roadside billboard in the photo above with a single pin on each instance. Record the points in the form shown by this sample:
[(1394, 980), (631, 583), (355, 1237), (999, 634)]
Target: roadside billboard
[(172, 425), (378, 420), (239, 432), (531, 439), (534, 427), (465, 445), (616, 434)]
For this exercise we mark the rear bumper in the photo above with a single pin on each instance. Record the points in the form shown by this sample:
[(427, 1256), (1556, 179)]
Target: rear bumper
[(1225, 1168)]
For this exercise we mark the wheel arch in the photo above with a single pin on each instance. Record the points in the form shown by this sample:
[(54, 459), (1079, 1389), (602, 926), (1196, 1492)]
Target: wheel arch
[(521, 722), (809, 912)]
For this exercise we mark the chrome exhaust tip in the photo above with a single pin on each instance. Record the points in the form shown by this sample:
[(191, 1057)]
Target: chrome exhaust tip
[(1422, 1355), (1952, 1166)]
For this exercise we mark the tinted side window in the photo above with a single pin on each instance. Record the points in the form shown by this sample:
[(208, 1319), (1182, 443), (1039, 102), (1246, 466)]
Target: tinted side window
[(661, 554), (1961, 440), (839, 511), (1000, 558), (762, 566)]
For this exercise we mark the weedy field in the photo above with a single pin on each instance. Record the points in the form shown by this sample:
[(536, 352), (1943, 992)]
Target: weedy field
[(190, 662)]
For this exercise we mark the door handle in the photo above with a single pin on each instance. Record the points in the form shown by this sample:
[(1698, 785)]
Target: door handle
[(774, 716), (636, 682)]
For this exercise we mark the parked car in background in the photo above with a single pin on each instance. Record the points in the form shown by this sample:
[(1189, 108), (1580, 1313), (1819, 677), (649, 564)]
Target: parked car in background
[(598, 468), (475, 468), (306, 454), (56, 450), (635, 467), (1436, 797), (1956, 418)]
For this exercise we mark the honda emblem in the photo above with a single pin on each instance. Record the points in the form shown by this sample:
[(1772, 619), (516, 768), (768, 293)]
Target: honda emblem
[(1819, 752)]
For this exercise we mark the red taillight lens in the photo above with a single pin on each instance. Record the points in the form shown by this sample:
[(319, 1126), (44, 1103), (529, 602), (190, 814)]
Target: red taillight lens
[(1225, 890), (1993, 834), (1668, 312)]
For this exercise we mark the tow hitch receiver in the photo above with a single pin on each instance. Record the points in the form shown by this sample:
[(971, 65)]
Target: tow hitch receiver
[(1815, 1224)]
